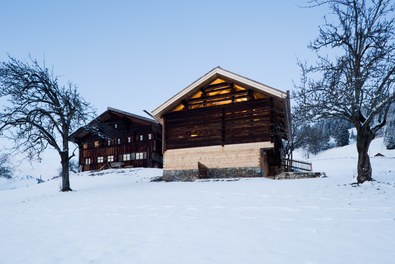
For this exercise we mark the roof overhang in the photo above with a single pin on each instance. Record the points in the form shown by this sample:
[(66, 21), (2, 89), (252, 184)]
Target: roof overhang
[(209, 77)]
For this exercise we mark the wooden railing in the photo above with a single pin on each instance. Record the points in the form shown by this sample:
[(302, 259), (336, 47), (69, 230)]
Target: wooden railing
[(296, 165)]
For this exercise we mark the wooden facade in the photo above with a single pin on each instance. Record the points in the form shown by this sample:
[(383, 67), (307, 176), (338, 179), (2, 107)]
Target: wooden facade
[(224, 115), (119, 139), (250, 121)]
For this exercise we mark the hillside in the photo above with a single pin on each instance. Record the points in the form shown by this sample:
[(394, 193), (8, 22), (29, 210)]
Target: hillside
[(342, 161), (120, 216)]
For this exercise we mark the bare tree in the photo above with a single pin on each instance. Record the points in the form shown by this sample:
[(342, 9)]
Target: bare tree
[(357, 82), (296, 134), (40, 112)]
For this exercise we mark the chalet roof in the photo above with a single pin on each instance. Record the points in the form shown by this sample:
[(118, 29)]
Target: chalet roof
[(111, 109), (90, 128), (217, 72)]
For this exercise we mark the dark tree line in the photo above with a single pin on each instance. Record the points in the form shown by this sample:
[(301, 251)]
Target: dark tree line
[(389, 134), (40, 112), (322, 135)]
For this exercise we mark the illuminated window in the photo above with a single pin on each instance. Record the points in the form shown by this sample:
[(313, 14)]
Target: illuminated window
[(109, 142), (141, 137), (129, 139), (85, 146), (149, 136), (126, 157), (119, 141), (97, 144), (115, 125), (110, 158), (100, 159), (87, 161), (141, 155)]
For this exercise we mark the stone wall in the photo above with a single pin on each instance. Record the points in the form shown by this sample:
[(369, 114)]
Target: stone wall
[(299, 175), (191, 175)]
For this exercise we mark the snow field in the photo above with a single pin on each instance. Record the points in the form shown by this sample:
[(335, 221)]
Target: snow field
[(121, 217)]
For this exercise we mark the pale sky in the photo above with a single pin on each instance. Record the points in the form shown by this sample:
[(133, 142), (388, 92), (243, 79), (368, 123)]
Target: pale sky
[(134, 55)]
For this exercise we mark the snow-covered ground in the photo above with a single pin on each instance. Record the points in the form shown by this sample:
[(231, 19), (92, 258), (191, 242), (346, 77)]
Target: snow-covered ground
[(120, 216)]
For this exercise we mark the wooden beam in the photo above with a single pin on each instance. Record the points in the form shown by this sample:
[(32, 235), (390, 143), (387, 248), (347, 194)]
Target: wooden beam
[(213, 87), (218, 97)]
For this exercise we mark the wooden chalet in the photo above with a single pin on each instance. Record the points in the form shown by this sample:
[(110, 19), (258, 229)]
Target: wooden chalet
[(119, 139), (224, 125)]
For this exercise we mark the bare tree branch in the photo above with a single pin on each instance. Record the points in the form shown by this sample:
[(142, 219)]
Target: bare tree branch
[(40, 112)]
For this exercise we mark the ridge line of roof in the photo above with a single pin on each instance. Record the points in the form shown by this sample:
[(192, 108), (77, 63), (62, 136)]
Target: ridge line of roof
[(268, 86), (109, 108), (180, 92)]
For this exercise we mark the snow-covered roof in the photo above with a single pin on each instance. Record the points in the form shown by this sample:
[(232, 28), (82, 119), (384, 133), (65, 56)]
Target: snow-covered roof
[(217, 72)]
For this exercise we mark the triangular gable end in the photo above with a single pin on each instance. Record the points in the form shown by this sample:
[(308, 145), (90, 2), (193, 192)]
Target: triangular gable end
[(217, 87), (219, 92)]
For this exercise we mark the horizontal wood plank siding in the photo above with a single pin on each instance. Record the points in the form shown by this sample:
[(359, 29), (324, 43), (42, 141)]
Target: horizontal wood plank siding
[(244, 122), (117, 135)]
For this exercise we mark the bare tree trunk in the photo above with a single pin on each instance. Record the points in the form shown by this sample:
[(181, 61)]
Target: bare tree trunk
[(364, 138), (65, 172)]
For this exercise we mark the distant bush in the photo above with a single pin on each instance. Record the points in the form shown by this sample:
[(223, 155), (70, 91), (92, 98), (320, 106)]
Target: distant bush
[(341, 135), (157, 179), (5, 168), (389, 134)]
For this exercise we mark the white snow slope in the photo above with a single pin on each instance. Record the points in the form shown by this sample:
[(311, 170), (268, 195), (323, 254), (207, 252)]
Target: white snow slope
[(120, 217)]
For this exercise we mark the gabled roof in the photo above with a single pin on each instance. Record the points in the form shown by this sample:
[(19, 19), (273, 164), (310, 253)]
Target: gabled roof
[(111, 109), (92, 126), (217, 72)]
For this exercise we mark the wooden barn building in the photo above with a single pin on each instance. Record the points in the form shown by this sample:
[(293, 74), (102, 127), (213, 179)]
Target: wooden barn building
[(119, 139), (223, 125)]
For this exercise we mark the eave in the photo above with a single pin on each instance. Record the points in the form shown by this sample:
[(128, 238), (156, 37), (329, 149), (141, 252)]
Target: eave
[(207, 78)]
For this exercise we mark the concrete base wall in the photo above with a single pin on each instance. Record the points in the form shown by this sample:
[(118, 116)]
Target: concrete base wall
[(237, 160)]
